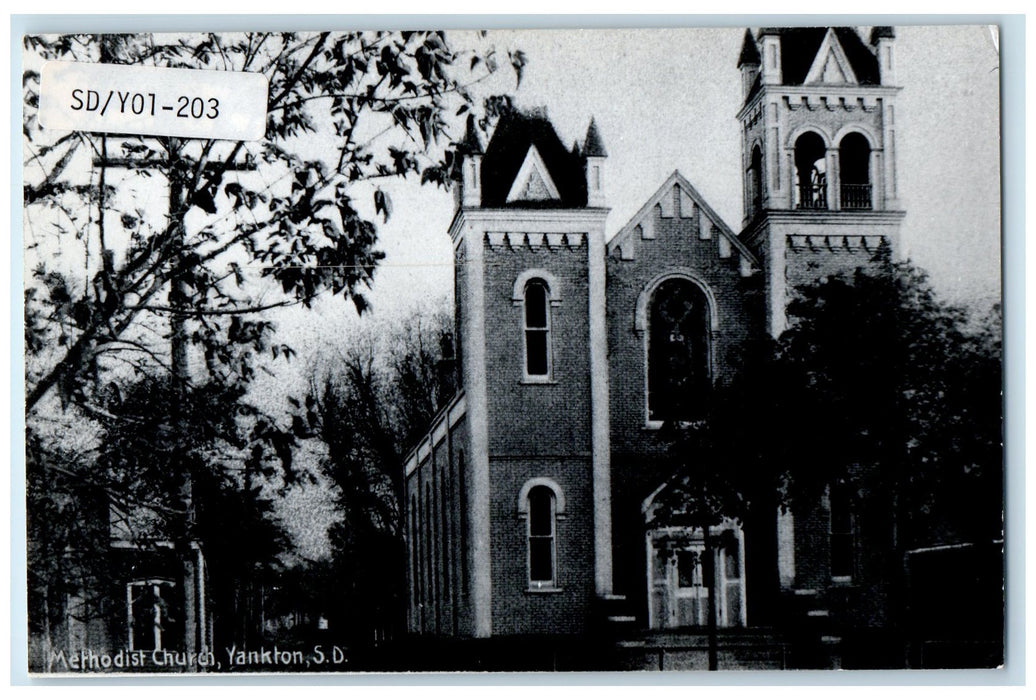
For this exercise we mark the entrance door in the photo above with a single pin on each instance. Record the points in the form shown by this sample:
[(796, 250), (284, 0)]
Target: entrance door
[(677, 590)]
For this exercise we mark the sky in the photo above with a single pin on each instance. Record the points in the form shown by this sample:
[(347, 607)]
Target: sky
[(667, 100)]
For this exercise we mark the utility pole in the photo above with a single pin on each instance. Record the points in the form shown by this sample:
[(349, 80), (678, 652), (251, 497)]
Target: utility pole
[(176, 168)]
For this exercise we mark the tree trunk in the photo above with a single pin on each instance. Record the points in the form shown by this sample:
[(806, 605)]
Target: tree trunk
[(709, 570)]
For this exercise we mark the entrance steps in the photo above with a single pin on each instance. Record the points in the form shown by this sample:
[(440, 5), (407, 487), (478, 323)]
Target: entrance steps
[(688, 650)]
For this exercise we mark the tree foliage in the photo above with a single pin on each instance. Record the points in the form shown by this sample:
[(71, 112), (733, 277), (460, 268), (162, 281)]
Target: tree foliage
[(368, 410), (902, 397), (165, 231), (150, 264), (877, 385)]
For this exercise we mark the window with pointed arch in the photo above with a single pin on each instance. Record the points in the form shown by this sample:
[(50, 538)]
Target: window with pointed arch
[(541, 503), (537, 330), (678, 373)]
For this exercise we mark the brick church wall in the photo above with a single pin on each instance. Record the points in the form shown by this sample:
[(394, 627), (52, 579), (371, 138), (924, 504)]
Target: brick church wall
[(677, 245)]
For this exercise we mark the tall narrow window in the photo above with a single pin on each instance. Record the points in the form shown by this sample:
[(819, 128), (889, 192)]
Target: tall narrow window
[(678, 353), (854, 157), (542, 538), (756, 181), (842, 532), (463, 490), (537, 329), (811, 172), (415, 574)]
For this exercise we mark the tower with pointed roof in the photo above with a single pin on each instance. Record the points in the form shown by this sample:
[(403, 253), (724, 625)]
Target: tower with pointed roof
[(513, 478), (818, 137)]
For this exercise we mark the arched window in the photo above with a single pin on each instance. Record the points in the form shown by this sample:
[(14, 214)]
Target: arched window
[(537, 330), (542, 534), (755, 181), (678, 352), (811, 171), (542, 504), (854, 157), (843, 531)]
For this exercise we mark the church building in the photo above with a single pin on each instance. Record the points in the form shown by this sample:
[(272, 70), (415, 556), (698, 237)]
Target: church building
[(529, 502)]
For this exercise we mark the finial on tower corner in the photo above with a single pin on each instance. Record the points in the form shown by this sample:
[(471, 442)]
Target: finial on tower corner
[(472, 142), (749, 51), (593, 145)]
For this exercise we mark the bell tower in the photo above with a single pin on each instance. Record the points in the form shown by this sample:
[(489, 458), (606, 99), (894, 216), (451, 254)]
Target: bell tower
[(818, 150), (529, 254)]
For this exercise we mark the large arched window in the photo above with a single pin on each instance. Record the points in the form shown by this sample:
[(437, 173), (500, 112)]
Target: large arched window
[(678, 351), (810, 172), (854, 158), (537, 330)]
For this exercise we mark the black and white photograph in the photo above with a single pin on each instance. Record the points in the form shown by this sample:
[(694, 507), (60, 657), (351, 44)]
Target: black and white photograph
[(543, 350)]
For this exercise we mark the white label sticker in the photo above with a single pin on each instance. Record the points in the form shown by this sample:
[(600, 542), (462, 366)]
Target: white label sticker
[(203, 104)]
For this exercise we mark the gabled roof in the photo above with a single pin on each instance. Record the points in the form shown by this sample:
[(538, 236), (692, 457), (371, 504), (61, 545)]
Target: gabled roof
[(629, 232), (533, 182), (508, 150), (800, 45), (831, 65)]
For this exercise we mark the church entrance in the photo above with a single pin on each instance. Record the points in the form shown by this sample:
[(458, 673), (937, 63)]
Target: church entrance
[(677, 586)]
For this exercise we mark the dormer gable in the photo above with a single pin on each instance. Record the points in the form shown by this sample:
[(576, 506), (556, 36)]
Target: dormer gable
[(831, 66), (678, 199), (533, 182)]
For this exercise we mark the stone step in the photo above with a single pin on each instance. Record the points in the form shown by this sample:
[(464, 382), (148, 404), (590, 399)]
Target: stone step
[(622, 619)]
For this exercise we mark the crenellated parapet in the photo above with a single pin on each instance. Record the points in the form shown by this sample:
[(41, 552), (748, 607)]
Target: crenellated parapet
[(515, 241)]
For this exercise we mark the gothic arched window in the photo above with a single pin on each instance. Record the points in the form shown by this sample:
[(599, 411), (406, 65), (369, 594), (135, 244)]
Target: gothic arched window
[(537, 329), (811, 171), (678, 351), (854, 158)]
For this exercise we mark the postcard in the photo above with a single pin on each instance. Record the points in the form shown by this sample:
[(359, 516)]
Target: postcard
[(544, 350)]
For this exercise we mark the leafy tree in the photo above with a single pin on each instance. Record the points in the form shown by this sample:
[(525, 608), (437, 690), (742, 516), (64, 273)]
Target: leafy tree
[(716, 470), (900, 395), (152, 259), (243, 226), (224, 505), (374, 403), (67, 545)]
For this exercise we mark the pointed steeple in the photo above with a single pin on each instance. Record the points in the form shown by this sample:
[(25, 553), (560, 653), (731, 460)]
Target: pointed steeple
[(593, 157), (749, 52), (472, 143), (881, 33), (593, 146)]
